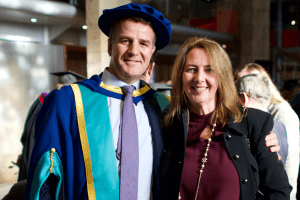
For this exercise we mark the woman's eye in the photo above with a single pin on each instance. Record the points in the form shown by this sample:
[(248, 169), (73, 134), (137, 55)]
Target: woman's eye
[(191, 70), (208, 70)]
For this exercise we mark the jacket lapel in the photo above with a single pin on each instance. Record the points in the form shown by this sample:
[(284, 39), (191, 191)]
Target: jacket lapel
[(184, 118)]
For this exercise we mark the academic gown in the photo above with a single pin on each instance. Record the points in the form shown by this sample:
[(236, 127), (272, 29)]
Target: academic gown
[(59, 151)]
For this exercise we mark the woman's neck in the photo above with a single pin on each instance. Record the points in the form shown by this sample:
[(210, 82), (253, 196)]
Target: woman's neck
[(202, 109)]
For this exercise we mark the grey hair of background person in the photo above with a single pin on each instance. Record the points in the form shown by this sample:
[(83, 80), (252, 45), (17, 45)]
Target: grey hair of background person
[(257, 86), (67, 79)]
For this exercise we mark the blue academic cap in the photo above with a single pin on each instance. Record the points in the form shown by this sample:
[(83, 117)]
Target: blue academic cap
[(161, 25)]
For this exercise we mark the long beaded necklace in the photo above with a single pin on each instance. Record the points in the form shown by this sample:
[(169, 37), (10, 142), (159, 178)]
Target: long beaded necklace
[(204, 159)]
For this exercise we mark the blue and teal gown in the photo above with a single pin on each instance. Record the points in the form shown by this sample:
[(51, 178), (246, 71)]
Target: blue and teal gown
[(82, 163)]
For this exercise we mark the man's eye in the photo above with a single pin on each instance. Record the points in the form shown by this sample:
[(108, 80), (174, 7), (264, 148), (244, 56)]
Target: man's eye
[(125, 41), (208, 70)]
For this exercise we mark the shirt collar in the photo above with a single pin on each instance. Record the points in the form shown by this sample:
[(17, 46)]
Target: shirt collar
[(110, 86), (265, 110)]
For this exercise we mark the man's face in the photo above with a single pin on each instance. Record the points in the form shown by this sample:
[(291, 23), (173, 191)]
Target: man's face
[(131, 50)]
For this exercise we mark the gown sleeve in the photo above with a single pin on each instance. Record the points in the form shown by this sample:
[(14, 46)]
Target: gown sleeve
[(53, 150)]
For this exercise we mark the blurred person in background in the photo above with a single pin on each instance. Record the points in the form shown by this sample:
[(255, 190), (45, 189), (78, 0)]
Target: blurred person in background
[(281, 111), (148, 73), (160, 87), (290, 89), (254, 92)]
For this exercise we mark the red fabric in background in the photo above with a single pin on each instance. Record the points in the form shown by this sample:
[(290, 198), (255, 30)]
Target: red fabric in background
[(209, 24), (225, 22), (289, 38)]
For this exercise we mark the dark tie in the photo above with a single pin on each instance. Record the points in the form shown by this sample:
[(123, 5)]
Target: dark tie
[(130, 149)]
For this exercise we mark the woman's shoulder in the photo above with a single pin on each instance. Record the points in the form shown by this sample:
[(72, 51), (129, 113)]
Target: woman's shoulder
[(284, 113), (280, 108)]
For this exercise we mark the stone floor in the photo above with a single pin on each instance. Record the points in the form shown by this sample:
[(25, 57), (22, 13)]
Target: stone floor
[(4, 188)]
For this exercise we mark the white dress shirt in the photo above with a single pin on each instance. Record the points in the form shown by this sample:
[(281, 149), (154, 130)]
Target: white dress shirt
[(144, 134)]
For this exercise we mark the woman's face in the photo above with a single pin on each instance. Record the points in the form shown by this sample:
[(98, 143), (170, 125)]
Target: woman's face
[(200, 83)]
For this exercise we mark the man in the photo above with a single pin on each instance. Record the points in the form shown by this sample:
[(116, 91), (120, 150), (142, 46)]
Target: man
[(254, 91), (82, 142)]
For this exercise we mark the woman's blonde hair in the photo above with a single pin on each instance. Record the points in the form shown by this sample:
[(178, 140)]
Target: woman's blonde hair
[(275, 94), (227, 97)]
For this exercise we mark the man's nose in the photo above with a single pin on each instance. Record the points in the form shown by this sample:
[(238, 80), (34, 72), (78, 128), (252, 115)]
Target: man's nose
[(133, 48)]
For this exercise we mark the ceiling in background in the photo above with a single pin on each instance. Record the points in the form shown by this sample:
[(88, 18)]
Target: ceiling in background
[(46, 12)]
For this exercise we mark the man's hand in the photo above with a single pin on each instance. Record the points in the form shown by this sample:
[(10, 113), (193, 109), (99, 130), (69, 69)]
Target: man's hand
[(272, 142)]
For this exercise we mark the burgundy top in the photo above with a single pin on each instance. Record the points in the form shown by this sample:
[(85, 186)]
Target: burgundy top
[(219, 179)]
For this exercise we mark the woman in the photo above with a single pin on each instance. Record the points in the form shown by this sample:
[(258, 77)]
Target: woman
[(205, 134), (281, 111)]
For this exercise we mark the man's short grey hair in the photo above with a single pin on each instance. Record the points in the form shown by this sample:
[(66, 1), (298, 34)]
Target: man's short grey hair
[(113, 28), (257, 86)]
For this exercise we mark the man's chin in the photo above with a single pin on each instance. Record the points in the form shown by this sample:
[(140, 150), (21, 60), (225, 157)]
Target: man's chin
[(129, 78)]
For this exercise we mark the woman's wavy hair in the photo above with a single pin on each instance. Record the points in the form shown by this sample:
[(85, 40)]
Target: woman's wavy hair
[(275, 94), (227, 98)]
